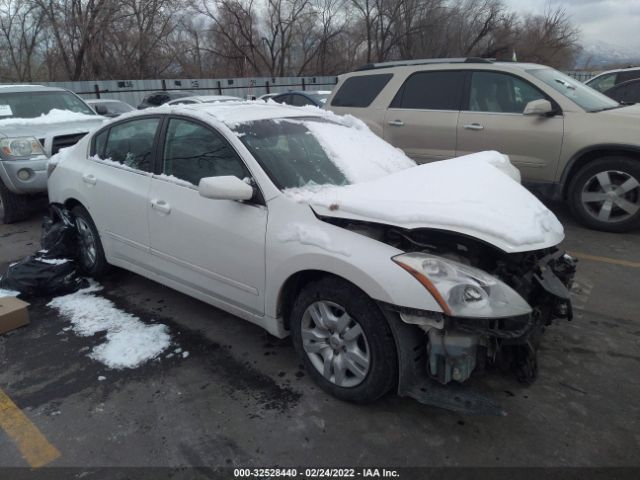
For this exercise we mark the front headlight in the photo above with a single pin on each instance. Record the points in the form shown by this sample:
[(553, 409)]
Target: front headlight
[(461, 290), (21, 147)]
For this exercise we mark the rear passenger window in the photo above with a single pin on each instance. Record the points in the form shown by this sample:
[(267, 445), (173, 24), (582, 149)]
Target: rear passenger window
[(360, 91), (193, 152), (431, 91), (131, 143)]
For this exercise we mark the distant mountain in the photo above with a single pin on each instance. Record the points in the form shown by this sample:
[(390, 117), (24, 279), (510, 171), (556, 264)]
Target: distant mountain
[(602, 55)]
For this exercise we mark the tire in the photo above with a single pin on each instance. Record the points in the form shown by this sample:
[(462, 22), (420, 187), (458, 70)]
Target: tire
[(91, 254), (341, 346), (612, 187), (13, 207)]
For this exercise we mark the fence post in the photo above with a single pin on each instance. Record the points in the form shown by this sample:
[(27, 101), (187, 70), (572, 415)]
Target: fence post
[(96, 88), (164, 84), (303, 84), (266, 86), (219, 87)]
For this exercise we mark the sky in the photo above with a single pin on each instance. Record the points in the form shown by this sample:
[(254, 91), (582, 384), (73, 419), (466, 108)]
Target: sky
[(614, 22)]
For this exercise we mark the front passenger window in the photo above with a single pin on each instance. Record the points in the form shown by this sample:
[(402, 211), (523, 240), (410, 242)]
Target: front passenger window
[(500, 93), (193, 151), (131, 143)]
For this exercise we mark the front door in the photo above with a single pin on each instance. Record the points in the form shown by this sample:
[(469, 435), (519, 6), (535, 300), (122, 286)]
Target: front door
[(216, 247), (493, 120), (423, 117)]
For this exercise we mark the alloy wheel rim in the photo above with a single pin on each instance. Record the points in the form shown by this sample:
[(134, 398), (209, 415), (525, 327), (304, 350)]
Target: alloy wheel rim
[(335, 343), (87, 243), (611, 196)]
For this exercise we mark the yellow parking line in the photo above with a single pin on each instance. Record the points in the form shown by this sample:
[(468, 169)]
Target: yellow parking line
[(36, 450), (614, 261)]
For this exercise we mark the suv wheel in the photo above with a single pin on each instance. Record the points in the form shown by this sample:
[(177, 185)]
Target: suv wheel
[(90, 251), (13, 207), (605, 194), (344, 341)]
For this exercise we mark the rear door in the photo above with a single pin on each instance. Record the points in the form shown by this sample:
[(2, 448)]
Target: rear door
[(117, 178), (214, 247), (423, 117), (493, 120)]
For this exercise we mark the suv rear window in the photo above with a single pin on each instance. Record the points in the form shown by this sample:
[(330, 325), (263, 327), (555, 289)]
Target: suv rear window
[(431, 91), (360, 91)]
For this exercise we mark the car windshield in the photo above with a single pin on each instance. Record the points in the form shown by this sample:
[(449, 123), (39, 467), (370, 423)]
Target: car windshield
[(35, 104), (311, 151), (576, 91)]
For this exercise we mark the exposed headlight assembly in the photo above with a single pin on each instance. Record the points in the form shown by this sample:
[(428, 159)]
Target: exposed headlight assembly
[(461, 290), (20, 147)]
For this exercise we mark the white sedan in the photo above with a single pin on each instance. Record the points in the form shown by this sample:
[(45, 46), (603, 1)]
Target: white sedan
[(306, 223)]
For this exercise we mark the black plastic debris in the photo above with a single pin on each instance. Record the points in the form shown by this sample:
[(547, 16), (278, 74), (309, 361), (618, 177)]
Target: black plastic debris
[(53, 270), (59, 234), (36, 276)]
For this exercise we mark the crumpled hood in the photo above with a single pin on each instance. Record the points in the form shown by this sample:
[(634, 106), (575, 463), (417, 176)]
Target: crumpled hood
[(472, 195)]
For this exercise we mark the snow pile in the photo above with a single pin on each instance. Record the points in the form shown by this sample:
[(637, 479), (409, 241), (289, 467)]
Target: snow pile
[(53, 261), (129, 342), (468, 194), (54, 116), (8, 293), (310, 235), (359, 153)]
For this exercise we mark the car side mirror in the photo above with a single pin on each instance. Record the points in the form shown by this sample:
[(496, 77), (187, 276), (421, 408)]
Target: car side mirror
[(100, 109), (225, 188), (538, 107)]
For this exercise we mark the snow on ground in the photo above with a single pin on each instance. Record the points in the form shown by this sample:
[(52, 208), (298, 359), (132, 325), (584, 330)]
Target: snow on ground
[(129, 342), (310, 235), (8, 293)]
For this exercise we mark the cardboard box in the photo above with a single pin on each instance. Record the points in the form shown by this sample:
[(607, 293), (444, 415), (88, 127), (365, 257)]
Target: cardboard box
[(13, 314)]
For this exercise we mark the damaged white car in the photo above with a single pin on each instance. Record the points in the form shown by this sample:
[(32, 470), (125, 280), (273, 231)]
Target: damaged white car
[(387, 275)]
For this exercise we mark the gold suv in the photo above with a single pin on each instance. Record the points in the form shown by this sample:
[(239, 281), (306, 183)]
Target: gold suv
[(569, 141)]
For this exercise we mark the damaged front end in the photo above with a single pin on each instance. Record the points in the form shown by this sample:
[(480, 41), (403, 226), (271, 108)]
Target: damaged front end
[(495, 306)]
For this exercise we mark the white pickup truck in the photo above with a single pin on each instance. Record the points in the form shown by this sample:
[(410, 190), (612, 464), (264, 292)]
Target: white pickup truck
[(35, 123)]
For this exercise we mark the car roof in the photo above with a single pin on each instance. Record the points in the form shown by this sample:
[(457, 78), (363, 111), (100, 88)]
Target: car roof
[(28, 88), (232, 113), (209, 98), (615, 70)]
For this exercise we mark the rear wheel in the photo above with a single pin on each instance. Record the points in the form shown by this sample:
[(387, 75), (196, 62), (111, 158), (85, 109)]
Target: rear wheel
[(90, 252), (605, 194), (344, 341), (13, 207)]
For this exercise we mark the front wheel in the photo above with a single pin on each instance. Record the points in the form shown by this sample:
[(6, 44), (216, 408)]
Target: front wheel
[(13, 207), (344, 341), (90, 251), (605, 194)]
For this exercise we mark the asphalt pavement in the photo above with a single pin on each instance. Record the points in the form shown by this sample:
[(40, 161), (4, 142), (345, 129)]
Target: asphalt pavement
[(240, 397)]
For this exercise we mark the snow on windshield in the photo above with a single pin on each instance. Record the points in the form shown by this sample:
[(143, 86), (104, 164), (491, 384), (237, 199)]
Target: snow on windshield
[(358, 152)]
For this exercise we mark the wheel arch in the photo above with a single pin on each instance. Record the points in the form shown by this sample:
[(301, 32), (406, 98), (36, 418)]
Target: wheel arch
[(294, 284), (586, 155)]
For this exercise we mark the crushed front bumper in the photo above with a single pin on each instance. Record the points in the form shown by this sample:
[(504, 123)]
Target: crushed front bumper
[(435, 349)]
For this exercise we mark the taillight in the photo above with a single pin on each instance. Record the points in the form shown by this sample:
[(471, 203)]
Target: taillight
[(50, 168)]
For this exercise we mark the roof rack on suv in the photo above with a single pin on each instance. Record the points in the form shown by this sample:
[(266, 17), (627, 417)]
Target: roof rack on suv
[(425, 61)]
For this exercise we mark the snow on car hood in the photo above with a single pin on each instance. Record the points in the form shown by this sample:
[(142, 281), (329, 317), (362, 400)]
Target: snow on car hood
[(55, 122), (473, 195)]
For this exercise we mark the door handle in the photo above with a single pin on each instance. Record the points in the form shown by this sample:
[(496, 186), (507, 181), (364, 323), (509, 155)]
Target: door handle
[(160, 206), (473, 126), (396, 123), (89, 179)]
